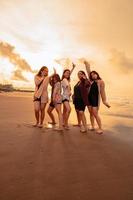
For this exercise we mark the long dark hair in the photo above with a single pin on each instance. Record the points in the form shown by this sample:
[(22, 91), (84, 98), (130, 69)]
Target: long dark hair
[(64, 73), (98, 76), (82, 72), (41, 70), (57, 77)]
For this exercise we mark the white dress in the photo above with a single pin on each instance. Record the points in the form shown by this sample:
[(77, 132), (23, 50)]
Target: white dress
[(66, 89)]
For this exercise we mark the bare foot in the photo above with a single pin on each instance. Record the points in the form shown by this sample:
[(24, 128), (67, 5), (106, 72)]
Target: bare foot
[(66, 127), (58, 129), (79, 125), (83, 130), (91, 129), (99, 131), (35, 125), (52, 123), (40, 126)]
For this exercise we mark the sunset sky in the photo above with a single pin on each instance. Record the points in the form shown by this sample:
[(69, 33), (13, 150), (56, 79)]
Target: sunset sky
[(35, 33)]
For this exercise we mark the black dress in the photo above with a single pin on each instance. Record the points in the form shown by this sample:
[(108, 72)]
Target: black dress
[(93, 95), (78, 100)]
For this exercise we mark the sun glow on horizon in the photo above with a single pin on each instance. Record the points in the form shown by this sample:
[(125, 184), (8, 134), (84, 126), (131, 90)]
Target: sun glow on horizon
[(57, 33)]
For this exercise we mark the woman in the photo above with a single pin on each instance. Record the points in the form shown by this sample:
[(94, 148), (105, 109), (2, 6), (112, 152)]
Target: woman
[(80, 99), (96, 91), (66, 95), (57, 99), (41, 95)]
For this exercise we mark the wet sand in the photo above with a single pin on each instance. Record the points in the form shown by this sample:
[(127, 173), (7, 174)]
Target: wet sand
[(40, 164)]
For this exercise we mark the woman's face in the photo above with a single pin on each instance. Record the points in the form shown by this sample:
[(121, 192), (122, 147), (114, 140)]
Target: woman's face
[(67, 74), (44, 72), (54, 80), (80, 75), (94, 76)]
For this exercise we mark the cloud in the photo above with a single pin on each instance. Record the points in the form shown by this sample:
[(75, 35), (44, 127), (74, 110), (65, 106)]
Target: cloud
[(65, 62), (29, 42), (121, 62), (8, 51), (17, 75)]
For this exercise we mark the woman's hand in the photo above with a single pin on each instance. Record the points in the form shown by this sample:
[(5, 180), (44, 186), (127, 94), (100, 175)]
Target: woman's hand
[(106, 104), (73, 65), (87, 63), (84, 76), (42, 74), (70, 94)]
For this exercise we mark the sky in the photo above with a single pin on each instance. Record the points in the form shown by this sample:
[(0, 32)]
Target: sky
[(55, 33)]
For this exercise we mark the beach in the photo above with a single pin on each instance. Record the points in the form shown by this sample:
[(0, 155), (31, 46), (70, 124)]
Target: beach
[(41, 164)]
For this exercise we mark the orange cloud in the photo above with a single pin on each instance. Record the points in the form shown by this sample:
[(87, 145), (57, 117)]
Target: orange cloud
[(17, 75), (65, 62), (8, 51), (121, 62)]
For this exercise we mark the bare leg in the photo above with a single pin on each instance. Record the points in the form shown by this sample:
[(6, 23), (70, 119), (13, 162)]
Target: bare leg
[(58, 109), (78, 118), (67, 108), (91, 117), (49, 111), (98, 119), (64, 116), (37, 108), (43, 105), (83, 119)]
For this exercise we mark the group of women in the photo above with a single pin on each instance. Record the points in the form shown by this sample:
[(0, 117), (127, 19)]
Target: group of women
[(86, 93)]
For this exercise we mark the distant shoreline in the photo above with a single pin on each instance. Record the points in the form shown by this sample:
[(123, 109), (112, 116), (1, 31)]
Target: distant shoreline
[(16, 90), (10, 88)]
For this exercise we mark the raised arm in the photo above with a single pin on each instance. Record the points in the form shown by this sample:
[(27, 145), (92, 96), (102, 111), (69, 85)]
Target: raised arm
[(73, 66), (50, 77), (87, 65), (103, 94)]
